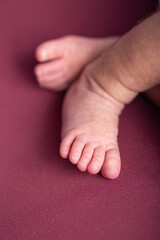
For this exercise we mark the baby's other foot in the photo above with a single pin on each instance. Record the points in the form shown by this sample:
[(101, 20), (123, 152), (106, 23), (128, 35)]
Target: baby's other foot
[(90, 128), (61, 60)]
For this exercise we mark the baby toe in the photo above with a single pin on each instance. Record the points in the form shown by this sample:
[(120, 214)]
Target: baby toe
[(49, 50), (112, 164), (49, 67), (97, 160), (66, 145), (85, 157), (42, 53), (50, 80), (76, 150)]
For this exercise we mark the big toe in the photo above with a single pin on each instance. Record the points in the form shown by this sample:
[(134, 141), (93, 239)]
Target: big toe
[(112, 164), (41, 54), (49, 50)]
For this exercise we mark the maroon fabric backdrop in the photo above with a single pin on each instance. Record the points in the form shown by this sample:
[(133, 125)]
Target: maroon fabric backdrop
[(43, 196)]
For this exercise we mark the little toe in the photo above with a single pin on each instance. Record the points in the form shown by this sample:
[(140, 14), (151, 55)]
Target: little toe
[(112, 164), (97, 160), (76, 150), (66, 144), (85, 157)]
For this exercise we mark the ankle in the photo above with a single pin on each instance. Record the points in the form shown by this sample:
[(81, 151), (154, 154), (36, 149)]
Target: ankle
[(89, 82), (109, 77)]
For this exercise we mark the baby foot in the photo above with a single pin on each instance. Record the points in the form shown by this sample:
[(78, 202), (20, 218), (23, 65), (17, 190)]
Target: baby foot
[(90, 128), (63, 59)]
